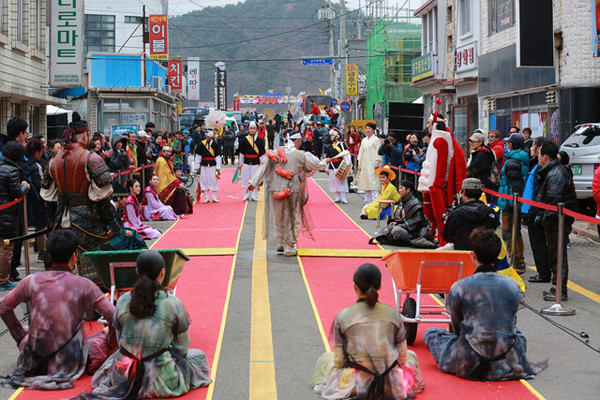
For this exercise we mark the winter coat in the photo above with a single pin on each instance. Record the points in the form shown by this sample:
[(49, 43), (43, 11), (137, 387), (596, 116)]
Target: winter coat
[(464, 219), (118, 160), (10, 189), (480, 165), (556, 186), (513, 175), (36, 206)]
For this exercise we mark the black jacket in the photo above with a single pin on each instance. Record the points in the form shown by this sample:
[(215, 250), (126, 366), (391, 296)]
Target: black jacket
[(464, 219), (481, 165), (141, 150), (556, 186), (36, 206), (10, 189)]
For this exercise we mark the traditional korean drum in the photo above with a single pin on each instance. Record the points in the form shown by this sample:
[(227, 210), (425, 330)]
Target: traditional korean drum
[(344, 169)]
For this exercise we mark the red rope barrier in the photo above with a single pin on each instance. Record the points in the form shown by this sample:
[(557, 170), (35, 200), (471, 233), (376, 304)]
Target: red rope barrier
[(539, 205), (12, 203), (586, 218)]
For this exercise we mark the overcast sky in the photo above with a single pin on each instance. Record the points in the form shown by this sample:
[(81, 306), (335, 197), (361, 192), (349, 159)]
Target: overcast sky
[(178, 7)]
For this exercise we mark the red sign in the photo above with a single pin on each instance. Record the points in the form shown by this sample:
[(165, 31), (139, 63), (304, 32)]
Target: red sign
[(345, 106), (159, 47), (466, 58), (236, 104), (174, 74)]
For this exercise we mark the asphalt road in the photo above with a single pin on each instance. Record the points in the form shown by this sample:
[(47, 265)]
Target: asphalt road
[(573, 366)]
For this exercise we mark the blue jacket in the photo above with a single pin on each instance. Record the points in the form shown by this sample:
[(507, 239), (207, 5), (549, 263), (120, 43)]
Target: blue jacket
[(530, 190), (392, 155), (513, 175)]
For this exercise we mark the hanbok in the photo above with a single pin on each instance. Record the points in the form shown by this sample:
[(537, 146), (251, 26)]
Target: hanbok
[(169, 190), (154, 209), (337, 186), (388, 192), (373, 338), (171, 369), (131, 219)]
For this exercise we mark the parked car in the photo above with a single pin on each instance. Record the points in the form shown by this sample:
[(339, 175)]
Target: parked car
[(583, 148)]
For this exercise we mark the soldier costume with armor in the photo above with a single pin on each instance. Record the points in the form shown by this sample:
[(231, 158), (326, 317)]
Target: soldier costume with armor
[(77, 186)]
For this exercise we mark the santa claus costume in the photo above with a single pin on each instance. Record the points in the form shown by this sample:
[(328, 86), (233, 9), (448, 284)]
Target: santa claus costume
[(443, 171)]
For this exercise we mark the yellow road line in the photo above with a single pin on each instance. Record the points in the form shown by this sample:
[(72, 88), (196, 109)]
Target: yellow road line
[(314, 306), (215, 364), (262, 361), (165, 232), (362, 253), (580, 289), (532, 390), (340, 208), (215, 251), (16, 393)]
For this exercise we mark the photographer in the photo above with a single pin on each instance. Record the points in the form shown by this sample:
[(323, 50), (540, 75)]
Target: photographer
[(413, 153), (391, 151)]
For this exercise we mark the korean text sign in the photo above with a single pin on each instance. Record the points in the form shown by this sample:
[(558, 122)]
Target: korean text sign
[(66, 44), (193, 78), (351, 80), (158, 36), (174, 74)]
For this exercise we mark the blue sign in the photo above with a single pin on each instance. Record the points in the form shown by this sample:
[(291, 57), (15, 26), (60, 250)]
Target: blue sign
[(334, 102), (123, 129), (345, 106), (317, 61)]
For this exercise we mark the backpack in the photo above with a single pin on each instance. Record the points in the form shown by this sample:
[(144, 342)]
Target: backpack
[(495, 175)]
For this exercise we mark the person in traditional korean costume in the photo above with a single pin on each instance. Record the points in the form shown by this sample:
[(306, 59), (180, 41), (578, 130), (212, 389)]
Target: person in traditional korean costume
[(252, 148), (369, 359), (485, 344), (133, 211), (154, 209), (368, 161), (170, 189), (207, 162), (55, 348), (154, 359), (388, 192), (284, 174), (339, 187)]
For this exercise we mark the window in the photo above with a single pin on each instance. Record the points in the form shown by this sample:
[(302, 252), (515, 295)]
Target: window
[(133, 20), (34, 119), (20, 20), (464, 17), (99, 33), (35, 22), (502, 15)]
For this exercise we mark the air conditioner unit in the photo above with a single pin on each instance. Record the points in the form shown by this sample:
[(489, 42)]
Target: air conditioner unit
[(157, 82), (551, 97)]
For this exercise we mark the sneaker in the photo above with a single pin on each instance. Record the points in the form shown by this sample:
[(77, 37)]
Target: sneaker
[(520, 269), (344, 201), (550, 295), (216, 201), (280, 248), (8, 286)]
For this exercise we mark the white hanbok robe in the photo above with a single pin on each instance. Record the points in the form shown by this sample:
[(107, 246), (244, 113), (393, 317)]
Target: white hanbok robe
[(367, 158)]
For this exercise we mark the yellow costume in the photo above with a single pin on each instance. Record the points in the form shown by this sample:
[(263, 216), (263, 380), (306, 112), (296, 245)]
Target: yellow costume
[(388, 192), (169, 190)]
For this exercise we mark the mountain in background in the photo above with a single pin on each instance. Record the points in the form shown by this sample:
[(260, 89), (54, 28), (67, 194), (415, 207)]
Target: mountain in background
[(264, 30)]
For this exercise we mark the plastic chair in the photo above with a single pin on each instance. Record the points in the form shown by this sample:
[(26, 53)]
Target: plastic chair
[(389, 212)]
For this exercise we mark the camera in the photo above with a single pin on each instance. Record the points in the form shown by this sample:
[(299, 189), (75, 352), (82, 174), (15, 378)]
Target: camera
[(387, 141)]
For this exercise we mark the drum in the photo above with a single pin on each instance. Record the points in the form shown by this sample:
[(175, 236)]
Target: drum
[(343, 170)]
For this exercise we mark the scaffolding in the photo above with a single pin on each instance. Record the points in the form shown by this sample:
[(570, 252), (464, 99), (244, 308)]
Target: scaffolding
[(391, 47)]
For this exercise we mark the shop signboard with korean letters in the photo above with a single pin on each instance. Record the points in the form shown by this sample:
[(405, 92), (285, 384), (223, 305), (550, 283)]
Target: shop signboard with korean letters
[(66, 44), (466, 58), (175, 75), (193, 78), (158, 37)]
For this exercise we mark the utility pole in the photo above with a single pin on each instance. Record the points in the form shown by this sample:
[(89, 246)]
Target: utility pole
[(328, 14), (343, 52), (144, 45)]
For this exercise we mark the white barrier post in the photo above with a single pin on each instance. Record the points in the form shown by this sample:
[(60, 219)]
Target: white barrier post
[(558, 308)]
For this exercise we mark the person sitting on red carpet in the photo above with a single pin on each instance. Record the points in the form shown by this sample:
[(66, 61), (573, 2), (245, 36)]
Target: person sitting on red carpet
[(369, 359), (442, 174), (485, 344)]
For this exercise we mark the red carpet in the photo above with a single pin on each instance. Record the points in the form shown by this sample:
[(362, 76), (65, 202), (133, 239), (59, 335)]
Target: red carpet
[(330, 281), (211, 224), (203, 289), (333, 229)]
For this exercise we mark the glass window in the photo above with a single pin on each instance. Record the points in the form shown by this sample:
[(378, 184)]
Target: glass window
[(133, 20), (464, 16), (34, 120), (99, 33), (110, 119), (502, 15), (35, 21), (111, 104), (134, 103), (20, 20)]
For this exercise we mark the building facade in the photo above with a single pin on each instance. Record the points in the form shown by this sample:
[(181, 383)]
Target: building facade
[(23, 79), (116, 26)]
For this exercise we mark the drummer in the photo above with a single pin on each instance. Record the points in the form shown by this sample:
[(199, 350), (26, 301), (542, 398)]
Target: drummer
[(339, 167)]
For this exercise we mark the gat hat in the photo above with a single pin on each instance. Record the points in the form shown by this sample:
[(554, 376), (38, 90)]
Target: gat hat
[(386, 169), (119, 190), (516, 140), (472, 184), (477, 136)]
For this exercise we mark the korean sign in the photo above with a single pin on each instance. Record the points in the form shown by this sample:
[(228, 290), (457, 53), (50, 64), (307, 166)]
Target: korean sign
[(193, 78), (159, 43), (220, 87), (422, 67), (352, 80), (66, 44), (174, 74), (465, 58)]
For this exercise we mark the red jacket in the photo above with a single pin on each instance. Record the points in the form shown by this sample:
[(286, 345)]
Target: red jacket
[(314, 109), (498, 149), (262, 131)]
